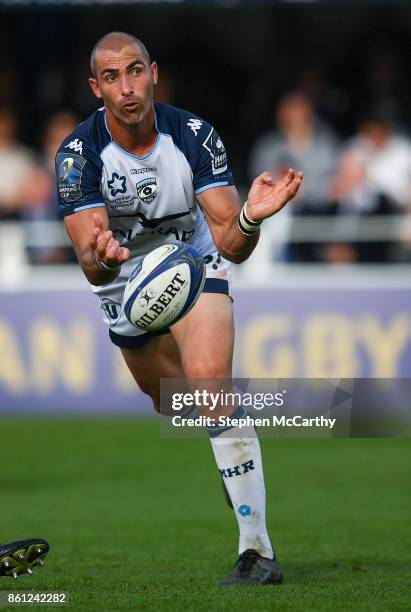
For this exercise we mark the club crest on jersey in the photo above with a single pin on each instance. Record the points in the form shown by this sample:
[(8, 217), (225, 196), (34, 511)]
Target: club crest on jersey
[(147, 190), (215, 147), (117, 184), (69, 171)]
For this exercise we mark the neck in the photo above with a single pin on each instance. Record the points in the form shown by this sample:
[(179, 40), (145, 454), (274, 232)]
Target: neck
[(138, 138)]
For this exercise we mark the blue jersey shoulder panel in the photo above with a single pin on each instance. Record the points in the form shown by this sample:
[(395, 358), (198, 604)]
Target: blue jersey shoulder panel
[(200, 144), (79, 166)]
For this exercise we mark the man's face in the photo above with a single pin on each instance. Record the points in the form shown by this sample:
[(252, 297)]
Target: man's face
[(124, 80)]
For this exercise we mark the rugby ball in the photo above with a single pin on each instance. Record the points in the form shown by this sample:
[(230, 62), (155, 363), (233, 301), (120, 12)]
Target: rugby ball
[(164, 286)]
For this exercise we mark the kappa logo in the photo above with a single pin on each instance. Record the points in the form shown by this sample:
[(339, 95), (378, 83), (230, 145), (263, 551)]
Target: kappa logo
[(195, 125), (75, 145)]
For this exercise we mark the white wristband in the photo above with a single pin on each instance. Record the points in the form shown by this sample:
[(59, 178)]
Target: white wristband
[(245, 224)]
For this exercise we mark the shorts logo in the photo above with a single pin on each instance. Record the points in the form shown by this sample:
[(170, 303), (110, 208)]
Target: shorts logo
[(195, 125), (147, 190), (69, 172), (111, 309), (117, 184), (215, 147)]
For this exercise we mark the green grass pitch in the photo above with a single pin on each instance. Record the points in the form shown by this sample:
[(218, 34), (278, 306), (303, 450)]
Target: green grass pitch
[(136, 521)]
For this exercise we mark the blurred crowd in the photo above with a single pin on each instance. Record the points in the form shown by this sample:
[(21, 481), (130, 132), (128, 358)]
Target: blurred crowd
[(347, 180), (350, 180)]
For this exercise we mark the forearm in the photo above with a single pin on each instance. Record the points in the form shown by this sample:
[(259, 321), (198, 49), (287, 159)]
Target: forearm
[(236, 246)]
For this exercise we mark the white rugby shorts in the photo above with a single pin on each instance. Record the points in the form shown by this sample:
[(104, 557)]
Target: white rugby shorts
[(121, 331)]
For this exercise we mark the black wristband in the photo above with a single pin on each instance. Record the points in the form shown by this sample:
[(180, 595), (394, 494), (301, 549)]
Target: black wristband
[(102, 264)]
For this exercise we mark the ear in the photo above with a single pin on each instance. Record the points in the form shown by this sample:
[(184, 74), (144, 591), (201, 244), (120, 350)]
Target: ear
[(154, 72), (95, 88)]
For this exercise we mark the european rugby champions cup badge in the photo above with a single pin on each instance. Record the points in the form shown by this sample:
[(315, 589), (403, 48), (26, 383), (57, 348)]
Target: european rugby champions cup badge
[(70, 169)]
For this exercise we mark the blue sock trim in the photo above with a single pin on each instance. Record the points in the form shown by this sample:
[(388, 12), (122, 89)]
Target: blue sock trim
[(215, 430)]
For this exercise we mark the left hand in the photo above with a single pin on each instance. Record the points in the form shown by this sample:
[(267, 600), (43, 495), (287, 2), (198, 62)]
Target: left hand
[(266, 198)]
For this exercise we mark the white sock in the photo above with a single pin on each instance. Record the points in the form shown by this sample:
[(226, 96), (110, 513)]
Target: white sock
[(238, 456)]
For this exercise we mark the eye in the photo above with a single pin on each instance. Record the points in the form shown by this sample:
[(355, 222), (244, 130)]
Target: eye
[(110, 78), (136, 71)]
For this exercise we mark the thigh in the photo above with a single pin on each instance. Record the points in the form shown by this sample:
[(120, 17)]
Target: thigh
[(205, 337), (159, 358)]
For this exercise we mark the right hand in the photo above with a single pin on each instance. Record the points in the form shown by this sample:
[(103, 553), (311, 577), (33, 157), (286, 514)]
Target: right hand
[(104, 246)]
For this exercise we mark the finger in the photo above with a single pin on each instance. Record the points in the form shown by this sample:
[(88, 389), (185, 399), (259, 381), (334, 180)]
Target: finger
[(112, 249), (294, 187), (102, 242), (93, 238), (124, 254), (288, 178), (264, 179), (98, 221)]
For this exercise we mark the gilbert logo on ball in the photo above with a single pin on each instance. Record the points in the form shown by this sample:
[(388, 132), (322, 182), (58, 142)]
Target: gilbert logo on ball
[(164, 286)]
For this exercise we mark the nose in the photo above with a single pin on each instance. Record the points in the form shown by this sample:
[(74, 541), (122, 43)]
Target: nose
[(126, 85)]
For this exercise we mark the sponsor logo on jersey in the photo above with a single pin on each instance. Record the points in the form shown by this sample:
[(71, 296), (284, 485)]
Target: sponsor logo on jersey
[(183, 235), (215, 147), (156, 221), (117, 184), (142, 170), (122, 201), (75, 145), (195, 125), (147, 190), (69, 172)]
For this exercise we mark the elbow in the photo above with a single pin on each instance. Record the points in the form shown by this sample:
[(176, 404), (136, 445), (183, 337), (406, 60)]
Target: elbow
[(234, 257)]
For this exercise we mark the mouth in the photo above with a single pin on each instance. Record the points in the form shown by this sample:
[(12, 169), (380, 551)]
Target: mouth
[(131, 105)]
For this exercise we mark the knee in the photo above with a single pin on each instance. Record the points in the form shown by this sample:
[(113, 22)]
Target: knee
[(153, 391), (207, 367)]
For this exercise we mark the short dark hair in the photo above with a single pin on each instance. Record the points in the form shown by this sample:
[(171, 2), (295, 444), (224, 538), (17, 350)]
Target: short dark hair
[(116, 41)]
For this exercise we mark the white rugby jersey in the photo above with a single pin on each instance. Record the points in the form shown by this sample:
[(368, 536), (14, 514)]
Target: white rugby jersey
[(150, 200)]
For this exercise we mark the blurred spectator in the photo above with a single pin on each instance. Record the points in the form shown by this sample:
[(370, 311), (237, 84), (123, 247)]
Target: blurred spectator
[(373, 177), (385, 155), (16, 165), (40, 192), (300, 141), (303, 142)]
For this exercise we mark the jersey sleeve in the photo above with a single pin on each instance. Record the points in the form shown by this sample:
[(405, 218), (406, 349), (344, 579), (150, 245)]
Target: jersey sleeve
[(78, 172), (211, 168)]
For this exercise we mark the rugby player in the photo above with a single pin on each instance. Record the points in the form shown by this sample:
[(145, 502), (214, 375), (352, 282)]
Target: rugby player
[(136, 175), (20, 556)]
